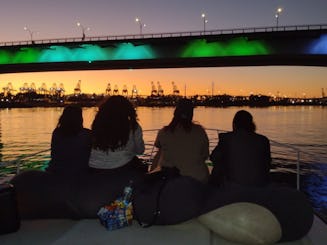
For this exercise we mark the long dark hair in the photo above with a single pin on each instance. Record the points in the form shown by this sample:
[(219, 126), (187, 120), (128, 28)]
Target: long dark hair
[(70, 122), (183, 116), (243, 120), (113, 122)]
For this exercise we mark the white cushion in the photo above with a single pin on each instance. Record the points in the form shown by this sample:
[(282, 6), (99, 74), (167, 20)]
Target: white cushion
[(243, 222)]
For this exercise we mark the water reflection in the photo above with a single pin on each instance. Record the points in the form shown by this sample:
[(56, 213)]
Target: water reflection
[(1, 144), (28, 130), (315, 186)]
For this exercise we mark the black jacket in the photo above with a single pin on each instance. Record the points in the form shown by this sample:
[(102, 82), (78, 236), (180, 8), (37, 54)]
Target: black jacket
[(241, 157)]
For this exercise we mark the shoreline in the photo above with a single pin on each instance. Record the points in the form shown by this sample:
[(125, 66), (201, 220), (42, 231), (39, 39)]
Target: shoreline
[(162, 102)]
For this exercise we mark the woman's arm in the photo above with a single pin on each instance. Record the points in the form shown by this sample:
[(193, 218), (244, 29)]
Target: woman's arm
[(138, 140)]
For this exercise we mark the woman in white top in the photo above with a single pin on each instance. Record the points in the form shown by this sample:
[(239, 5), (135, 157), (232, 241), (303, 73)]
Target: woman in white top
[(117, 137)]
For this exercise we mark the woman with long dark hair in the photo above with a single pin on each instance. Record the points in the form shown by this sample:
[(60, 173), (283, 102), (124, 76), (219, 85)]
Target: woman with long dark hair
[(117, 136), (70, 143), (183, 144)]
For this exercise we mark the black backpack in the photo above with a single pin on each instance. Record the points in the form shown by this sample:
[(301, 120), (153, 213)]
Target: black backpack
[(9, 217)]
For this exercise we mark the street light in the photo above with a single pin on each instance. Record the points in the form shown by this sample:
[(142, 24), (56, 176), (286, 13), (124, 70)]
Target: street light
[(83, 30), (137, 20), (205, 21), (278, 12), (30, 32)]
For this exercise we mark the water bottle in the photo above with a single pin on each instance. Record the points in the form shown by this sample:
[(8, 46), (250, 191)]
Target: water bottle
[(128, 190)]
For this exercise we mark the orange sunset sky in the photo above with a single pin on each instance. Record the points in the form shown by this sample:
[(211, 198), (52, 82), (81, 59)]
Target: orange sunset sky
[(46, 19), (286, 81)]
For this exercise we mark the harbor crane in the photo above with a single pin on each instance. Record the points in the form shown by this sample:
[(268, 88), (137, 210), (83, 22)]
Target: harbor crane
[(116, 90), (77, 89), (32, 88), (160, 89), (8, 89), (24, 89), (108, 89), (154, 91), (175, 89), (125, 91), (61, 90), (134, 92), (53, 89), (43, 89)]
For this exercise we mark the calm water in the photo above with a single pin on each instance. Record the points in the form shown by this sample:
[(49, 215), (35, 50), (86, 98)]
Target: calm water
[(28, 130)]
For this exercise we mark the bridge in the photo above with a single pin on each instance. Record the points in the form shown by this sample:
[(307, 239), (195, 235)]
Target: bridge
[(304, 45)]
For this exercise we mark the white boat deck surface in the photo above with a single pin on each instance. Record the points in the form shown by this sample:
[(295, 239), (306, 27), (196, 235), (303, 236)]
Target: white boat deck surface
[(90, 231)]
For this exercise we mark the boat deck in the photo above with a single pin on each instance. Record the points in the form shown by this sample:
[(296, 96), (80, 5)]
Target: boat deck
[(90, 231)]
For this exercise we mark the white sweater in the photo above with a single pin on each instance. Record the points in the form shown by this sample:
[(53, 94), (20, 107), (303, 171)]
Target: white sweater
[(114, 159)]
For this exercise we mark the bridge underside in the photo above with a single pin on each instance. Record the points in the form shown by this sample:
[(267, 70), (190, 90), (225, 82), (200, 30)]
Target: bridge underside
[(272, 60), (291, 48)]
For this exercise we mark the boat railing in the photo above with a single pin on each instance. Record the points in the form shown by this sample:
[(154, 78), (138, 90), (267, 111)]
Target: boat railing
[(277, 150), (295, 151)]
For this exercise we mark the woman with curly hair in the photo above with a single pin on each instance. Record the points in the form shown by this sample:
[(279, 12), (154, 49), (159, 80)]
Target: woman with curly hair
[(117, 136)]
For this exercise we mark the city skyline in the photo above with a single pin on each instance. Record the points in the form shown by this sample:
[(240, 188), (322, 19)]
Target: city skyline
[(45, 19)]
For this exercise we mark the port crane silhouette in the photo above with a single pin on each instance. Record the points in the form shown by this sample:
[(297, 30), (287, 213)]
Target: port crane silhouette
[(160, 89), (8, 89), (175, 89), (134, 92), (125, 91), (108, 89), (77, 89), (116, 90), (154, 91)]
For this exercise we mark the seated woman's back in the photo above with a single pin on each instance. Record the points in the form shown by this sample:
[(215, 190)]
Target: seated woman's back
[(247, 157), (241, 156), (70, 153), (117, 137), (184, 144), (185, 150), (70, 143)]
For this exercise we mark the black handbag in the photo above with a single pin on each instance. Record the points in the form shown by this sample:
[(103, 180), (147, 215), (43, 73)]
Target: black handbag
[(9, 218), (167, 198), (151, 187)]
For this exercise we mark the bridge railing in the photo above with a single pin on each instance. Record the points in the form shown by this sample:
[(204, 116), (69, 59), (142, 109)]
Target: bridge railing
[(168, 34)]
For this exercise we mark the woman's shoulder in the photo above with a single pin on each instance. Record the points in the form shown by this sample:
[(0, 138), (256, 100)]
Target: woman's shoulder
[(198, 127), (262, 137)]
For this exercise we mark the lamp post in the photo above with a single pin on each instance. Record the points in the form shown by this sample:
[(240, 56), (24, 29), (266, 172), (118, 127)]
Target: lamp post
[(30, 32), (83, 30), (278, 12), (205, 21), (137, 20)]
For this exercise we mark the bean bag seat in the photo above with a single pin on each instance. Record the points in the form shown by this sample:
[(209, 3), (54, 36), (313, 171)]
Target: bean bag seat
[(245, 223), (47, 195), (44, 195), (290, 207)]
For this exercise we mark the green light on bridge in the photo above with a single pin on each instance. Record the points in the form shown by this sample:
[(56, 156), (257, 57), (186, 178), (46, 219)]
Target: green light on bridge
[(234, 47), (26, 55), (127, 51), (84, 52), (4, 57)]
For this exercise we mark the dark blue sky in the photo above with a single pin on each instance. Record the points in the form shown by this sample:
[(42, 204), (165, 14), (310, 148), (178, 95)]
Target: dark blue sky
[(57, 18)]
